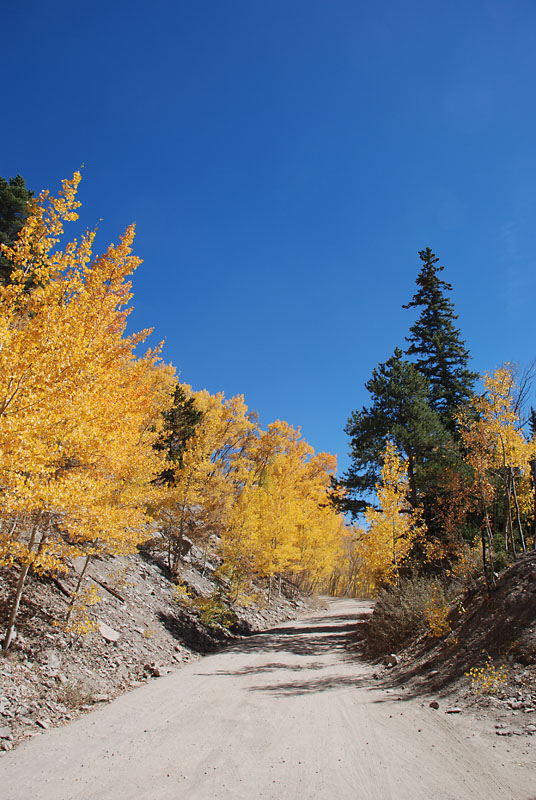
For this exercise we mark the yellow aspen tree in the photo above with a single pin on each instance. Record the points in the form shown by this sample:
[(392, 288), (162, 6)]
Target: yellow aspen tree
[(205, 483), (496, 448), (282, 524), (283, 454), (76, 457), (320, 531), (393, 528), (513, 453), (347, 577)]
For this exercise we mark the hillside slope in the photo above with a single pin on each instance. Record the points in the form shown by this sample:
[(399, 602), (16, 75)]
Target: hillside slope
[(48, 676), (487, 663)]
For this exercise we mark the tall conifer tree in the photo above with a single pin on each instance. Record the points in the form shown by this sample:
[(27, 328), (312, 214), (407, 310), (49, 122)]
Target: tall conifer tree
[(439, 351), (400, 412)]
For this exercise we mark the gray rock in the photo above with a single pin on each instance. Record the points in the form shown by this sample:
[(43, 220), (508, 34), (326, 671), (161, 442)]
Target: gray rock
[(52, 658), (453, 710), (108, 634), (513, 703), (5, 732)]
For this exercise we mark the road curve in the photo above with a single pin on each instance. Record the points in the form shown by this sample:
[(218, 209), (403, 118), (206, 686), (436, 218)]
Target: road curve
[(290, 713)]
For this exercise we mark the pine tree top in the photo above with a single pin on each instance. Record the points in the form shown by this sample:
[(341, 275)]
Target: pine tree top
[(436, 343)]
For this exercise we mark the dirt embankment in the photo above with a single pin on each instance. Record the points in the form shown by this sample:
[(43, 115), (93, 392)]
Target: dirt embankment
[(49, 677), (486, 665)]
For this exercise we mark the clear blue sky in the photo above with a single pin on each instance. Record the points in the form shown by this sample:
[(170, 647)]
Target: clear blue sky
[(284, 162)]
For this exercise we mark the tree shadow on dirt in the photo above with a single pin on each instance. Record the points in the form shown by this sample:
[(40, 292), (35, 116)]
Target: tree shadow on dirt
[(314, 637), (310, 639), (491, 625), (273, 666), (314, 685)]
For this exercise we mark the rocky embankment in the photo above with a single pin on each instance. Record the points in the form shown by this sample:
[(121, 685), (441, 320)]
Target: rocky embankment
[(486, 665), (140, 632)]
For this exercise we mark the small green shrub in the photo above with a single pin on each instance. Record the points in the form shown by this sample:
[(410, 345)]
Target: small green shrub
[(214, 612)]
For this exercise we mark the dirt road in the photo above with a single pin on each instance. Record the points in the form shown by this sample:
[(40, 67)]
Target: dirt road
[(291, 713)]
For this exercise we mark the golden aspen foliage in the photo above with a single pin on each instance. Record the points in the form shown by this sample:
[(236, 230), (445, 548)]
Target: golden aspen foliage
[(82, 421), (204, 485), (500, 456), (348, 578), (77, 406), (260, 497), (436, 613), (282, 523), (393, 528)]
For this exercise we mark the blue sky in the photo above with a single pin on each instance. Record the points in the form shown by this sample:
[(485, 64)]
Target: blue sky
[(284, 163)]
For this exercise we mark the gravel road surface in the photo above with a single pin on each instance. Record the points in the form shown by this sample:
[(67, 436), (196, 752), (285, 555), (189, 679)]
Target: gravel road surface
[(289, 714)]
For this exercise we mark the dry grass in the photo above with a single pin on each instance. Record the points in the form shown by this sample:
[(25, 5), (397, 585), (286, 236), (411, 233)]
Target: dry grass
[(403, 612)]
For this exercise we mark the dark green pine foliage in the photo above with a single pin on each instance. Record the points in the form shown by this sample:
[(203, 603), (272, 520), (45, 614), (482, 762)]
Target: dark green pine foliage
[(14, 198), (399, 411), (436, 344), (180, 422)]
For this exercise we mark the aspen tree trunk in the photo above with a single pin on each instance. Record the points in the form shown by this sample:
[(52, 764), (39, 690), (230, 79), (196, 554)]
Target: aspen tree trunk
[(487, 537), (518, 513), (509, 528), (75, 593), (394, 552), (411, 480), (20, 588)]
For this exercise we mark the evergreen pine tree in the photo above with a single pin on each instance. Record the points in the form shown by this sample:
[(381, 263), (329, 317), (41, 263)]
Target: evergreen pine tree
[(14, 198), (180, 422), (400, 411), (435, 342)]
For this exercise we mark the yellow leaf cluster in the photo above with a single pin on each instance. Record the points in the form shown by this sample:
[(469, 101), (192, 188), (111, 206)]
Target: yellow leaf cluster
[(264, 494), (499, 453), (76, 403), (393, 527), (81, 413)]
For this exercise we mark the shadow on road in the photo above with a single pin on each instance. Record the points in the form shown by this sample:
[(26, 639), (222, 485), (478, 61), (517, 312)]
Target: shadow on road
[(310, 639), (312, 685), (315, 637)]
